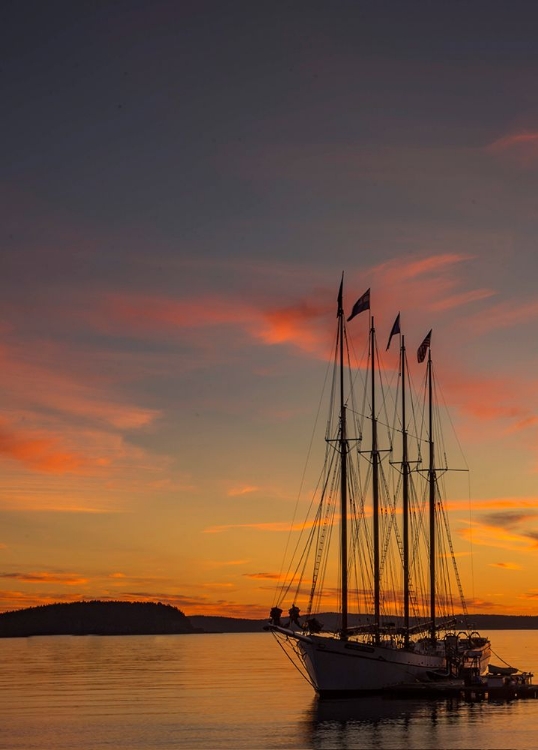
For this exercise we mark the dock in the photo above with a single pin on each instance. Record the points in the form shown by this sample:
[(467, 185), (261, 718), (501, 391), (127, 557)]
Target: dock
[(487, 690)]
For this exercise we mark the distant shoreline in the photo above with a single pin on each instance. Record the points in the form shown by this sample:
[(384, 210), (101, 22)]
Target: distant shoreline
[(150, 618), (483, 623)]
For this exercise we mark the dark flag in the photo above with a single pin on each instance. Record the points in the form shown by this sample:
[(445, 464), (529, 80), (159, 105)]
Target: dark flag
[(394, 331), (363, 303), (423, 348)]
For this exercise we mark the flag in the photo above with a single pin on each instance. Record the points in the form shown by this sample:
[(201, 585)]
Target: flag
[(395, 329), (423, 348), (363, 303)]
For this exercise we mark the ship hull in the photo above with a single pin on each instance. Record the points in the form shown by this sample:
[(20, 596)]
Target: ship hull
[(339, 667), (345, 667)]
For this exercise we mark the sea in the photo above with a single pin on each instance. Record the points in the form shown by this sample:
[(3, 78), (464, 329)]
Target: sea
[(229, 690)]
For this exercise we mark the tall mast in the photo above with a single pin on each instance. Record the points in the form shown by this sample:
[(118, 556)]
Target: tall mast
[(343, 471), (431, 482), (375, 492), (405, 499)]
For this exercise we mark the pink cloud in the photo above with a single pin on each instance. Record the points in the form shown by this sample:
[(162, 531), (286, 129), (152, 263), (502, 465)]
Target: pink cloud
[(521, 148), (465, 298), (302, 325), (39, 381), (412, 269), (416, 284), (504, 315)]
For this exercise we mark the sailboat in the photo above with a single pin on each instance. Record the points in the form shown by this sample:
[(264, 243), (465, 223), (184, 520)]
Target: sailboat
[(398, 622)]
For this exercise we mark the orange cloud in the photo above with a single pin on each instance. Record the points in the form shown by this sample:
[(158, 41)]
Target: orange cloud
[(501, 530), (217, 586), (39, 453), (12, 599), (506, 565), (268, 526), (512, 503), (224, 563), (247, 489), (298, 324), (65, 579)]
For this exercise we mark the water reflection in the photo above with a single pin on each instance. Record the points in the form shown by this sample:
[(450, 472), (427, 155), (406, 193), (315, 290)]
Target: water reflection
[(377, 722)]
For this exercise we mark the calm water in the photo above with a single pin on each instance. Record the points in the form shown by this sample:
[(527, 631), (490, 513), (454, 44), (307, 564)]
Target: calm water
[(227, 691)]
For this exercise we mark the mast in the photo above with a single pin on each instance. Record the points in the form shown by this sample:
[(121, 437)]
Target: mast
[(343, 472), (405, 499), (431, 483), (375, 492)]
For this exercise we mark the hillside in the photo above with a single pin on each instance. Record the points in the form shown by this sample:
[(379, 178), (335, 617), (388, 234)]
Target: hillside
[(95, 618), (483, 623), (214, 624)]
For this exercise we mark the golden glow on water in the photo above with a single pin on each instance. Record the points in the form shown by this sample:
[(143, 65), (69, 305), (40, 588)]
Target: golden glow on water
[(226, 691)]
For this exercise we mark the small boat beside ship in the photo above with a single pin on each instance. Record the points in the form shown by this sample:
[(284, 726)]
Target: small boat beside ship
[(401, 615)]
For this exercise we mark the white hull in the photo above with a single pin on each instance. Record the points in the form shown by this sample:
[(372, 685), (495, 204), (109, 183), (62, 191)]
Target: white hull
[(344, 667)]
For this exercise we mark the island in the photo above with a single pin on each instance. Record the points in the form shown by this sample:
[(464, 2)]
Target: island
[(95, 618)]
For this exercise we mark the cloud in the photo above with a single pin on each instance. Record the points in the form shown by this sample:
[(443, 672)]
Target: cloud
[(264, 576), (412, 269), (38, 381), (519, 148), (507, 314), (225, 563), (480, 604), (203, 605), (216, 586), (506, 565), (502, 530), (13, 599), (433, 282), (262, 526), (428, 281), (488, 398), (299, 325), (509, 519), (244, 490), (40, 452), (499, 502), (464, 298), (65, 579), (530, 595), (145, 316)]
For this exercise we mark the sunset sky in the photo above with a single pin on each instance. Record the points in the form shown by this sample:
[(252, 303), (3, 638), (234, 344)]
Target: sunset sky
[(183, 184)]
